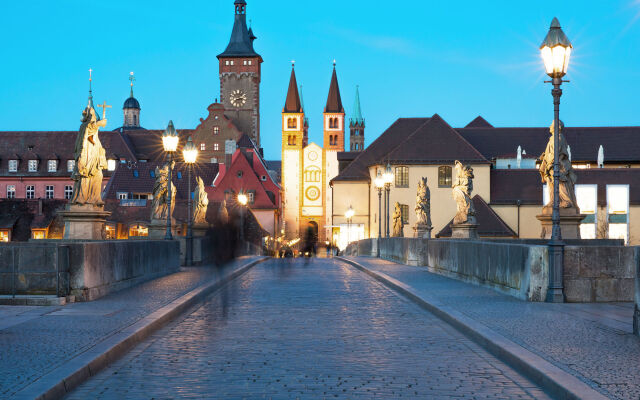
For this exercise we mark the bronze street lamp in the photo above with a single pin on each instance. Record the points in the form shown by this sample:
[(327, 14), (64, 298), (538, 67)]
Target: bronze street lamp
[(388, 179), (170, 144), (189, 154), (556, 50)]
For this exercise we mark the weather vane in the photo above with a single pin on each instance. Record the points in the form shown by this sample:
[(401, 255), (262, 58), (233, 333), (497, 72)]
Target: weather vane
[(132, 78)]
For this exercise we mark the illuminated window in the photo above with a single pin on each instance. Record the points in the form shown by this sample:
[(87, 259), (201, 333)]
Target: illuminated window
[(402, 176), (38, 233), (11, 191), (110, 231), (216, 130), (5, 235), (249, 62), (111, 165), (31, 192), (123, 195), (292, 123), (13, 165), (251, 196), (203, 146), (587, 196), (68, 192), (618, 211), (138, 230), (52, 165), (444, 176), (48, 193), (70, 165), (404, 210), (216, 146), (33, 165)]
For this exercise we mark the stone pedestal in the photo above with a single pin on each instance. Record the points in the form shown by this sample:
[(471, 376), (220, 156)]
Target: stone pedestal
[(200, 229), (464, 231), (422, 231), (158, 229), (570, 220), (84, 222)]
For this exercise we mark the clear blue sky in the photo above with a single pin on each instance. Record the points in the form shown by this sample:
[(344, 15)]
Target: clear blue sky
[(459, 59)]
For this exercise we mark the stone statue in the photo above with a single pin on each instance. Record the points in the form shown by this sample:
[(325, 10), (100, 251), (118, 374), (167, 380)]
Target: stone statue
[(223, 213), (423, 203), (201, 202), (567, 174), (159, 204), (398, 225), (90, 160), (462, 188)]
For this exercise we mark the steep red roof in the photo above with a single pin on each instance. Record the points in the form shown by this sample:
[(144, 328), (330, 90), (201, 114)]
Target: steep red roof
[(334, 102), (292, 104)]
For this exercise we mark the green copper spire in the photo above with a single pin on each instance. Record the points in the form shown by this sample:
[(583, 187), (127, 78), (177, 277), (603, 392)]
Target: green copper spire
[(356, 117), (301, 99)]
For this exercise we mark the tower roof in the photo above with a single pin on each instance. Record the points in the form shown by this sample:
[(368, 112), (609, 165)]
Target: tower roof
[(356, 118), (240, 43), (334, 102), (293, 103)]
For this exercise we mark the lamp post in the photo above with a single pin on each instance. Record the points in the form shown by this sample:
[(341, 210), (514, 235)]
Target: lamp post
[(555, 51), (349, 215), (170, 144), (189, 154), (379, 182), (388, 179), (242, 199)]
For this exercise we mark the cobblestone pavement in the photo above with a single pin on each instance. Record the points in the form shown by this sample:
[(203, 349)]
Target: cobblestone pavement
[(287, 329), (591, 341), (35, 340)]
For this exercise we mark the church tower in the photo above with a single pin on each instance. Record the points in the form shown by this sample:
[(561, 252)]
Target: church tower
[(356, 126), (333, 124), (131, 109), (293, 135), (239, 67)]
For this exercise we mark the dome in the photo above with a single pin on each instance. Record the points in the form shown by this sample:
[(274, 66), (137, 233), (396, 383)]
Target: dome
[(131, 102)]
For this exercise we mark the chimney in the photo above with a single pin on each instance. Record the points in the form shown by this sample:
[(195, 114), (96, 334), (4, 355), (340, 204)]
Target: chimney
[(229, 149)]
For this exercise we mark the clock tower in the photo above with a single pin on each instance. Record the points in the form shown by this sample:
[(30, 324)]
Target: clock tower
[(239, 67)]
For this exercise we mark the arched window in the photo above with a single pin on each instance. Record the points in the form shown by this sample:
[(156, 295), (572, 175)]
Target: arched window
[(292, 123), (444, 176)]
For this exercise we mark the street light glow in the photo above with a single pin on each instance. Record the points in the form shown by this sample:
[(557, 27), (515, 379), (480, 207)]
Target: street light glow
[(556, 51), (242, 199), (388, 175), (379, 181), (190, 152), (349, 213), (170, 138)]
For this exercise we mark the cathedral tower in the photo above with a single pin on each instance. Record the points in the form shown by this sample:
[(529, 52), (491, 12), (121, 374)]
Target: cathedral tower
[(293, 135), (356, 126), (131, 108), (333, 120), (239, 67)]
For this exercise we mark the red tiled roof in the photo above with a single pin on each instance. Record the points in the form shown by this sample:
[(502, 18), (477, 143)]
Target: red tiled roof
[(489, 223)]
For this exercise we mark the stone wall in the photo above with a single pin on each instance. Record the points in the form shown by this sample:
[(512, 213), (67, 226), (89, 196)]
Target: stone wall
[(85, 269), (636, 313), (595, 271)]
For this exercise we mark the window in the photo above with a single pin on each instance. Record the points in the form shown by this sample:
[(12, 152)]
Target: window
[(111, 165), (216, 130), (444, 176), (402, 176), (138, 230), (404, 209), (213, 160), (52, 165), (239, 174), (203, 146), (68, 192), (263, 178), (226, 62), (216, 147), (251, 196), (291, 140), (33, 165), (618, 211), (587, 196), (11, 191), (179, 175), (48, 193), (333, 123), (31, 192), (123, 195), (70, 165), (13, 165), (140, 196), (292, 123)]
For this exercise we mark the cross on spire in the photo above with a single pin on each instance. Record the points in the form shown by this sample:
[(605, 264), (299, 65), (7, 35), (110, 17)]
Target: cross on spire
[(132, 78), (293, 63)]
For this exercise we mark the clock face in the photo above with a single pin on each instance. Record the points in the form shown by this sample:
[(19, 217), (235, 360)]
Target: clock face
[(238, 98)]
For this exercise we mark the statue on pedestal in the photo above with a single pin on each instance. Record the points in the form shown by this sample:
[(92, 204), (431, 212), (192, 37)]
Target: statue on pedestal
[(90, 160), (567, 174), (159, 206), (398, 225), (201, 203), (462, 188), (423, 210)]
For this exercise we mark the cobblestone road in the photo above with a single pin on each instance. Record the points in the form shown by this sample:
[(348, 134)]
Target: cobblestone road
[(320, 330)]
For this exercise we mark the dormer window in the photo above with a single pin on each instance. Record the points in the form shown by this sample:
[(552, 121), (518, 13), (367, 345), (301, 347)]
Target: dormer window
[(52, 165), (203, 146), (70, 165), (216, 130), (33, 165), (13, 165)]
